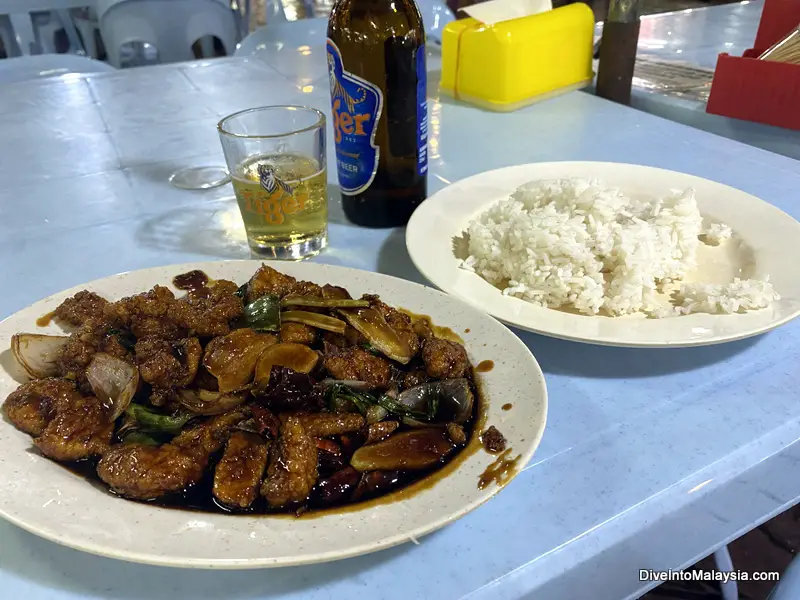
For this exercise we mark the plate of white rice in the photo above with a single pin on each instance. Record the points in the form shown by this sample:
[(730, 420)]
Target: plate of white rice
[(613, 254)]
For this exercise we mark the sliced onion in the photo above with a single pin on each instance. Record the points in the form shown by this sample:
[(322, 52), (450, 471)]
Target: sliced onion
[(371, 324), (454, 397), (113, 381), (205, 402), (37, 353)]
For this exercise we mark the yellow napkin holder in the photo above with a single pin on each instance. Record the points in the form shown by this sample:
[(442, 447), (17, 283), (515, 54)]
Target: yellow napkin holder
[(513, 63)]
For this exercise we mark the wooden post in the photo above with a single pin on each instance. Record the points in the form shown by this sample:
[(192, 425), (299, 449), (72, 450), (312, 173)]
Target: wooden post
[(618, 51)]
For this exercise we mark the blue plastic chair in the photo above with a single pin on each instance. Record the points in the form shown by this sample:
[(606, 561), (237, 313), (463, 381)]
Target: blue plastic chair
[(40, 66)]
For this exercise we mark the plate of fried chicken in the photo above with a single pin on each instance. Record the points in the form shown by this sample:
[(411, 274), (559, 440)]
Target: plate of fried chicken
[(242, 414)]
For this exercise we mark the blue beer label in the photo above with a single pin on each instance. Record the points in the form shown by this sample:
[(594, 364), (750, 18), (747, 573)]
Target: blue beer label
[(356, 105), (422, 113)]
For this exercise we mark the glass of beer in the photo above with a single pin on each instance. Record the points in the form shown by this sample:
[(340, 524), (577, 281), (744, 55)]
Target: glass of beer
[(276, 158)]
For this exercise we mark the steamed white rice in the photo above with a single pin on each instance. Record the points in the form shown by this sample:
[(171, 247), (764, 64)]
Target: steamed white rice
[(578, 244)]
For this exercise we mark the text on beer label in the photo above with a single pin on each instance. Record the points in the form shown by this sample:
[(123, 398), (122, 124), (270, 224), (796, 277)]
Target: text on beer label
[(356, 105), (273, 207)]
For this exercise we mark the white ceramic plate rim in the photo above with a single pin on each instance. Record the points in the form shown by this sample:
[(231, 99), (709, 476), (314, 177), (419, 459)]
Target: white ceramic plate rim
[(773, 236), (524, 432)]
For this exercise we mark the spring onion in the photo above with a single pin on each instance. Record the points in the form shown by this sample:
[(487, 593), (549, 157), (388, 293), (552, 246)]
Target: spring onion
[(263, 314), (317, 302), (151, 421)]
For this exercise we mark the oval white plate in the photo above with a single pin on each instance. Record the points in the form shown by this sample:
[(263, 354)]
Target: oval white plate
[(766, 242), (44, 498)]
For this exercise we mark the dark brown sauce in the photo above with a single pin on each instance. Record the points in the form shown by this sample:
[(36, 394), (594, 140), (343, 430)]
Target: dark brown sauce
[(507, 406), (467, 330), (193, 280), (485, 366), (45, 320), (199, 498), (500, 471), (425, 482), (441, 332)]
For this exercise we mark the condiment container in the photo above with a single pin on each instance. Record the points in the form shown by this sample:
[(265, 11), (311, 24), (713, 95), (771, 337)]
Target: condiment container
[(501, 61)]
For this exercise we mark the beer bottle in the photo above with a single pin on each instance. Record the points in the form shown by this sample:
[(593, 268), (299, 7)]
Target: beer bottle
[(376, 67)]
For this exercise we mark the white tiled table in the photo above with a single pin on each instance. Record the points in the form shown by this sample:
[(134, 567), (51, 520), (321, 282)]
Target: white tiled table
[(650, 459)]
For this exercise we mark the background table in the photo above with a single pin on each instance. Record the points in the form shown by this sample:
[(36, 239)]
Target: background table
[(696, 37), (650, 459)]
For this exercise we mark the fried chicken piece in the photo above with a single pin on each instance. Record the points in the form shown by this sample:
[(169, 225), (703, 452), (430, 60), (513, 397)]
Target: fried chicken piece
[(400, 322), (423, 329), (162, 396), (147, 314), (208, 311), (92, 337), (79, 431), (457, 434), (149, 472), (298, 333), (414, 378), (168, 364), (493, 441), (292, 470), (333, 291), (80, 308), (269, 281), (34, 404), (350, 337), (358, 364), (444, 359), (66, 426), (238, 474), (329, 424), (380, 431)]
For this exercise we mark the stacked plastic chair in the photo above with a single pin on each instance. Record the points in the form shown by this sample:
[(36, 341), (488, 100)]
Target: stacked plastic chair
[(24, 34), (168, 28)]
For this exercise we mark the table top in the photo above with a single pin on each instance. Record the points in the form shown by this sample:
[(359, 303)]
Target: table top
[(650, 459), (696, 37)]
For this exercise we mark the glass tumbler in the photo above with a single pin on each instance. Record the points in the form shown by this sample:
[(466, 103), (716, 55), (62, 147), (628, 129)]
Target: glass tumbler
[(277, 162)]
